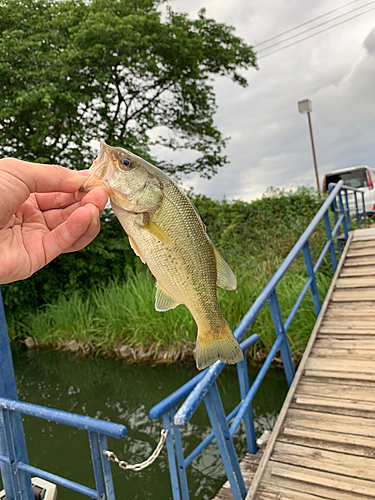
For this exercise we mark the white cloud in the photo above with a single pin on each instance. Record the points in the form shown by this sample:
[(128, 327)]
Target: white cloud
[(270, 142)]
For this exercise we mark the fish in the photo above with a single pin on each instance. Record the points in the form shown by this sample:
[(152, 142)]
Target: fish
[(167, 233)]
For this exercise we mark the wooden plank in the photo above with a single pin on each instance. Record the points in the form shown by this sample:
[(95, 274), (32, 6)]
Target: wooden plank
[(270, 492), (326, 461), (362, 234), (360, 261), (341, 375), (327, 402), (353, 295), (356, 324), (361, 353), (325, 484), (362, 244), (333, 331), (328, 365), (356, 282), (358, 426), (368, 306), (361, 252), (358, 271), (336, 391), (332, 441), (328, 379), (368, 343)]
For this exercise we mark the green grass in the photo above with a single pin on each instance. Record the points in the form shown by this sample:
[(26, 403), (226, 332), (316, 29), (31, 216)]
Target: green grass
[(124, 314)]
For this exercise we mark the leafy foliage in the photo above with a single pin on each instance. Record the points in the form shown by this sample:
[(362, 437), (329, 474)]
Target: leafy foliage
[(74, 71)]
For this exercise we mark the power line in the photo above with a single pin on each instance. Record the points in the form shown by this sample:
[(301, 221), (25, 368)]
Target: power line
[(316, 26), (313, 34), (304, 24)]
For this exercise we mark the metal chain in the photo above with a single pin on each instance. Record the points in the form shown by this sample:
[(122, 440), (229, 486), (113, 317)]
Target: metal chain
[(137, 467)]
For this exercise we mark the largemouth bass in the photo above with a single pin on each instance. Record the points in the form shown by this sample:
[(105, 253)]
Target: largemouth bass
[(166, 232)]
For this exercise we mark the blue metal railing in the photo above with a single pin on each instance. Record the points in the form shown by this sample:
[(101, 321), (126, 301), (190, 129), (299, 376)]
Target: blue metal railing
[(15, 469), (203, 387)]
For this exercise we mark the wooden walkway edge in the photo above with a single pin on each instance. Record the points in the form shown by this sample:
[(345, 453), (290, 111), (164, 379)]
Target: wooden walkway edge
[(323, 443)]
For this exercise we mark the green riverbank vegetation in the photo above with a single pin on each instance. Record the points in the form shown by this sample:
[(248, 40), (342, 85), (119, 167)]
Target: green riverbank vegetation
[(102, 298)]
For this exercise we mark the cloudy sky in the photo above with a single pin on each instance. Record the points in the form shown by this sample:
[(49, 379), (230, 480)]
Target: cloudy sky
[(270, 142)]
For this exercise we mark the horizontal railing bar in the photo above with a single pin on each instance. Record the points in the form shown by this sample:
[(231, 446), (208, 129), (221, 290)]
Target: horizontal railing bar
[(297, 304), (196, 396), (60, 481), (64, 417), (255, 386), (177, 396), (207, 440)]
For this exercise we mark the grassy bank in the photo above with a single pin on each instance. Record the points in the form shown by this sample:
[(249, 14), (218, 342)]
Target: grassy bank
[(117, 315)]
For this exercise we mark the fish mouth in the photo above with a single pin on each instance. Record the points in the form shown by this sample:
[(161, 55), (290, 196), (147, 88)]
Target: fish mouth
[(102, 170)]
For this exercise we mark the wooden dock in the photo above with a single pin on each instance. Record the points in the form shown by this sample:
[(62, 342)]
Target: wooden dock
[(323, 444)]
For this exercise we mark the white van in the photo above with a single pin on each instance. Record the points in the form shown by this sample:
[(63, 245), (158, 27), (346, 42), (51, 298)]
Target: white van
[(361, 177)]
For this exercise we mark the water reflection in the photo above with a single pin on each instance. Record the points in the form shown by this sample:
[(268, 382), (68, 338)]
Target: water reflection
[(112, 390)]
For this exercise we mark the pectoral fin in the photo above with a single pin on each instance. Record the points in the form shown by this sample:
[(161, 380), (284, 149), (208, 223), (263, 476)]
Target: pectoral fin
[(156, 230), (135, 248), (164, 300), (225, 276)]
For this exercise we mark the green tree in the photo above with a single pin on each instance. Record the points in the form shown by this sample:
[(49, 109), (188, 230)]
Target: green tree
[(74, 71)]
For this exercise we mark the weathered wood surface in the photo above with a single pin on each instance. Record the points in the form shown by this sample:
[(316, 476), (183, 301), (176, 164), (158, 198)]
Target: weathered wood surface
[(323, 444)]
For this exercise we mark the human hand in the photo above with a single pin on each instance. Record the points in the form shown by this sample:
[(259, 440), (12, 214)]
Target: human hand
[(43, 214)]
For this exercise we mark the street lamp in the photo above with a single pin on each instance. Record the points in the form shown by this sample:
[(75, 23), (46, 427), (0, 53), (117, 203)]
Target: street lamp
[(305, 107)]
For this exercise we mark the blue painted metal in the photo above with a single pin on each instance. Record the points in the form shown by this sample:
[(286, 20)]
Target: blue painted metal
[(311, 274), (108, 482), (12, 440), (248, 418), (255, 386), (96, 463), (171, 456), (330, 241), (15, 469), (203, 386), (63, 417), (219, 425)]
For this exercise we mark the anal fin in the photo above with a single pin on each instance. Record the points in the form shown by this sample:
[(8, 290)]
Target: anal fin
[(164, 300)]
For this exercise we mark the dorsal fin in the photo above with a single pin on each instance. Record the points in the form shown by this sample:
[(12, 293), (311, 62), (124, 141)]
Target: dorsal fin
[(225, 276)]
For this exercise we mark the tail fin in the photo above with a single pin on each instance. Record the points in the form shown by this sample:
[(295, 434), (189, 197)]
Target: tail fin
[(223, 346)]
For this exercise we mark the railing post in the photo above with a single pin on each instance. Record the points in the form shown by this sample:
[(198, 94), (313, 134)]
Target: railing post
[(17, 483), (331, 246), (243, 381), (180, 458), (357, 218), (311, 275), (106, 467), (280, 331), (347, 210), (171, 458), (96, 463), (364, 207), (342, 210), (224, 441)]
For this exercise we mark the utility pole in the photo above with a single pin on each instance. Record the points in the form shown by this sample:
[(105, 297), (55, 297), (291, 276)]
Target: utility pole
[(305, 107)]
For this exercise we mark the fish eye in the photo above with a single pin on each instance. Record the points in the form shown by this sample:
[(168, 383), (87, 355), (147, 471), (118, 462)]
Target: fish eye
[(125, 162)]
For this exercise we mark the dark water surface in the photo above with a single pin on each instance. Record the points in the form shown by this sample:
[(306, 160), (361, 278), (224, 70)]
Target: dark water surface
[(113, 390)]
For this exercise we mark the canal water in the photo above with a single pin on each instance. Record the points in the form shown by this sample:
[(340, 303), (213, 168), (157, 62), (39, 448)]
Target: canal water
[(115, 391)]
